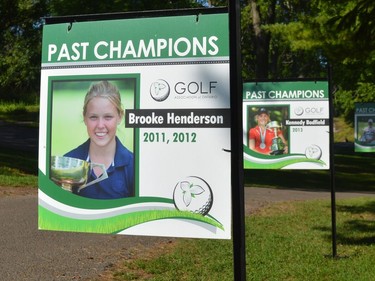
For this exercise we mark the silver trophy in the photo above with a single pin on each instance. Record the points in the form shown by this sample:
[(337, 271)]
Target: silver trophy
[(72, 173), (277, 146)]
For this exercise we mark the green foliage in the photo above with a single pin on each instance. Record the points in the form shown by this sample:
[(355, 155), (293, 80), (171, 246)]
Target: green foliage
[(306, 37), (21, 25), (344, 101), (280, 40), (20, 37), (359, 23), (344, 132), (81, 7)]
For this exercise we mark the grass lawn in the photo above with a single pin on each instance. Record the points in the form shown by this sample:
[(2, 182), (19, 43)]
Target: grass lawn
[(353, 172), (286, 241), (18, 169), (19, 112)]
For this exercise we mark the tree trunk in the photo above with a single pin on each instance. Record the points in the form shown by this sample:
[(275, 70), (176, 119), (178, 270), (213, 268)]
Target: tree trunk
[(262, 38)]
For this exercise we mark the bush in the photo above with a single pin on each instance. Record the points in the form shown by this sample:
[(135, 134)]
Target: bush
[(344, 101)]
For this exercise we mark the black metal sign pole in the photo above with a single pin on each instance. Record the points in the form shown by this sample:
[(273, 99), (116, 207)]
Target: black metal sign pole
[(238, 209), (332, 163)]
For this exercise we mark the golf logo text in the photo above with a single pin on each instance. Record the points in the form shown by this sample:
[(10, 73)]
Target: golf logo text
[(308, 111), (160, 89)]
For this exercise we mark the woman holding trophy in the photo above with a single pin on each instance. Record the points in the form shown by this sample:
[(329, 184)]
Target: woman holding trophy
[(102, 113), (266, 137)]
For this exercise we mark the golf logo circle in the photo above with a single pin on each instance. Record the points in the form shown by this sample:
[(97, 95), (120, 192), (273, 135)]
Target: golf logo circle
[(193, 194), (298, 110), (159, 90), (313, 152)]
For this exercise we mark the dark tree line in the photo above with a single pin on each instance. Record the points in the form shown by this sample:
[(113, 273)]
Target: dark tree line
[(280, 39)]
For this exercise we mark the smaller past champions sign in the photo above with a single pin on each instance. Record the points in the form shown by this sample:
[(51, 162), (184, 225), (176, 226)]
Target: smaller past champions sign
[(286, 125), (364, 130)]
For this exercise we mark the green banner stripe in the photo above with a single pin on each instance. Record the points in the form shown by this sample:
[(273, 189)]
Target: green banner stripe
[(134, 39)]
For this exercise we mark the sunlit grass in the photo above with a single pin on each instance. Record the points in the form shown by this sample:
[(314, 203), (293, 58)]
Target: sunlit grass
[(18, 168), (15, 178), (286, 241), (19, 112)]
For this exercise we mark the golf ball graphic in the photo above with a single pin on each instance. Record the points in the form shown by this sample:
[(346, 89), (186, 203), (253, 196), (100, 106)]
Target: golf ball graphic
[(298, 110), (313, 152), (159, 90), (193, 194)]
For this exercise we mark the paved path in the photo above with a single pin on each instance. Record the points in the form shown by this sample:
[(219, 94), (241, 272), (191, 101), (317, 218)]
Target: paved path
[(30, 254)]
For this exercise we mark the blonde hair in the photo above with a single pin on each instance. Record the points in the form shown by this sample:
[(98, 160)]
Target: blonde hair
[(104, 89)]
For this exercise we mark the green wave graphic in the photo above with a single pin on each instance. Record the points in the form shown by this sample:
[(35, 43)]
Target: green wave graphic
[(52, 221), (363, 147), (278, 161), (281, 164)]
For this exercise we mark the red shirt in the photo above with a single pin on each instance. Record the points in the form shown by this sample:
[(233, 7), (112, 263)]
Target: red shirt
[(254, 134)]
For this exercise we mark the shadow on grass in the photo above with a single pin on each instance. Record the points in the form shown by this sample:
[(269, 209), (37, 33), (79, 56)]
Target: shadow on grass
[(362, 233), (353, 173), (359, 229), (355, 210), (22, 114), (24, 161)]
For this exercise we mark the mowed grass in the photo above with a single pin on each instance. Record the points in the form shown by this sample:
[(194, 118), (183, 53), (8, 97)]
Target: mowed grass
[(13, 112), (18, 168), (352, 172), (286, 241)]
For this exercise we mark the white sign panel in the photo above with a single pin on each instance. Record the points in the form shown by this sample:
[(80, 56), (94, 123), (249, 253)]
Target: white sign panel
[(159, 164), (286, 125)]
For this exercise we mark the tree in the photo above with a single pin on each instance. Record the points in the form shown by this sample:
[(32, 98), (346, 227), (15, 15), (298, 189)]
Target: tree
[(268, 50), (79, 7), (20, 39), (352, 53), (298, 39), (280, 39), (262, 15), (21, 35)]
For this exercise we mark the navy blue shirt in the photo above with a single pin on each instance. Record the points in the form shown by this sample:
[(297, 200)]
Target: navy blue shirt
[(120, 181)]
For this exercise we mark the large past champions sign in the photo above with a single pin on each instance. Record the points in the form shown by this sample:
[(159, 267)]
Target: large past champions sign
[(135, 127), (286, 125)]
